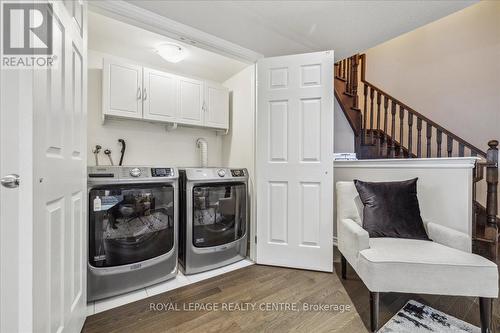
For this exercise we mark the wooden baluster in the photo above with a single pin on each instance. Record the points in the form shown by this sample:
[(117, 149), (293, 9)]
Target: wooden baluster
[(379, 100), (449, 145), (365, 112), (379, 139), (372, 91), (429, 136), (419, 137), (410, 134), (401, 130), (439, 140), (386, 104), (393, 129), (461, 150), (355, 81), (344, 69), (348, 76), (491, 230)]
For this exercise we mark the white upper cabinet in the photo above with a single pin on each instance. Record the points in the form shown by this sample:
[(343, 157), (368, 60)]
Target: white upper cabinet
[(216, 106), (122, 89), (190, 101), (132, 91), (160, 95)]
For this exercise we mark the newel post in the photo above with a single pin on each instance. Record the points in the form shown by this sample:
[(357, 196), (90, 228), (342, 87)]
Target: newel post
[(491, 231)]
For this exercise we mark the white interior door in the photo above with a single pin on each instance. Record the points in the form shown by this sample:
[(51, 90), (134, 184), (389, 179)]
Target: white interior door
[(121, 89), (160, 95), (294, 161), (59, 185), (15, 218)]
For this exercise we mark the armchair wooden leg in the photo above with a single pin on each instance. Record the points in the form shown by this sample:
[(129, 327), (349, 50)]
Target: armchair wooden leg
[(343, 267), (374, 311), (485, 309)]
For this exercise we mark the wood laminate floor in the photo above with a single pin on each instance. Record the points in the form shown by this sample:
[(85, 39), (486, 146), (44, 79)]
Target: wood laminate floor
[(263, 285)]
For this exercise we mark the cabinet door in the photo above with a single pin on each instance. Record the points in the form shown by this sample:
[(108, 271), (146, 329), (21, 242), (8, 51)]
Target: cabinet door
[(190, 101), (122, 89), (160, 95), (217, 106)]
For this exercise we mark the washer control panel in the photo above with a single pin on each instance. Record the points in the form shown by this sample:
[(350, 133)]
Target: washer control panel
[(135, 172), (162, 172), (105, 174)]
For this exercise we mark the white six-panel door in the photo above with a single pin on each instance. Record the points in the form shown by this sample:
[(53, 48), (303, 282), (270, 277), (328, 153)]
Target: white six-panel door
[(59, 170), (294, 160)]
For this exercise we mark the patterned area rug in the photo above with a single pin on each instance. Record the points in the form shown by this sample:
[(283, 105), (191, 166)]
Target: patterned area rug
[(415, 317)]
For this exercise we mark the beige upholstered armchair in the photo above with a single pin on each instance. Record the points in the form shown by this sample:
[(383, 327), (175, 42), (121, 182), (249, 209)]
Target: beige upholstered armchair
[(443, 266)]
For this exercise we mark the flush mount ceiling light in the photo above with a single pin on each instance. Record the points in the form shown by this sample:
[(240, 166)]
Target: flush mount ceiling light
[(171, 52)]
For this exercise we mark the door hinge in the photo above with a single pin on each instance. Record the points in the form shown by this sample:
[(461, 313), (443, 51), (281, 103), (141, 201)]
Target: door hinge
[(255, 239)]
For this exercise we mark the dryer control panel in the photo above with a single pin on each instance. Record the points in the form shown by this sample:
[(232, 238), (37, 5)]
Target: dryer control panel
[(238, 172)]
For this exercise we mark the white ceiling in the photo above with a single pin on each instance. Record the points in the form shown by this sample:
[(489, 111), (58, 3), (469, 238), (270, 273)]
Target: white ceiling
[(127, 41), (286, 27)]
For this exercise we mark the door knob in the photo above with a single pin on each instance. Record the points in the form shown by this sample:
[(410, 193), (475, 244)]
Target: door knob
[(10, 181)]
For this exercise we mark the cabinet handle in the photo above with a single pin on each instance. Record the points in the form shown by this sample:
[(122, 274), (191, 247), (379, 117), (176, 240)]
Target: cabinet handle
[(144, 95), (139, 93)]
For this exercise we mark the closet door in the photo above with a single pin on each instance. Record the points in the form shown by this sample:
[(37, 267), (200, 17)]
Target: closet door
[(294, 161), (190, 101), (122, 89), (217, 106), (160, 95)]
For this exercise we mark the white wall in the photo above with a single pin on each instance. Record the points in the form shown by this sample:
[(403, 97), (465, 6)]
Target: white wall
[(448, 70), (238, 145), (147, 143), (343, 134)]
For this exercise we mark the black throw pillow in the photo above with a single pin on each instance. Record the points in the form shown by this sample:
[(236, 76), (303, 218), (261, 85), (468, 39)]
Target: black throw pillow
[(391, 209)]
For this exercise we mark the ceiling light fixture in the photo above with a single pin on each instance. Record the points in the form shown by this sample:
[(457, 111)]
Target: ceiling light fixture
[(171, 52)]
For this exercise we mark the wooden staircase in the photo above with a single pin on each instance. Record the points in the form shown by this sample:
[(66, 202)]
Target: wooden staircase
[(385, 127)]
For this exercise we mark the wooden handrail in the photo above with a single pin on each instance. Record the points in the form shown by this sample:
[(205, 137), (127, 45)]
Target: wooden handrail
[(428, 121), (417, 114)]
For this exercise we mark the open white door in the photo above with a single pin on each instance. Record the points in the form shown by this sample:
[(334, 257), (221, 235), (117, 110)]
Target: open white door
[(294, 161), (43, 131)]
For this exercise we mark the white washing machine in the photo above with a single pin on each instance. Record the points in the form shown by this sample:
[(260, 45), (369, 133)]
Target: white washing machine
[(133, 218)]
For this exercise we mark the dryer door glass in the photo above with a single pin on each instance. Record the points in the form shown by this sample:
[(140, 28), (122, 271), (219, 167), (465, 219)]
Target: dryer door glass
[(130, 223), (219, 214)]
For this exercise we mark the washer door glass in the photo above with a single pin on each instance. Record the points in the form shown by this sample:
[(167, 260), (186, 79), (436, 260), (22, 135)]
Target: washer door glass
[(219, 214), (130, 223)]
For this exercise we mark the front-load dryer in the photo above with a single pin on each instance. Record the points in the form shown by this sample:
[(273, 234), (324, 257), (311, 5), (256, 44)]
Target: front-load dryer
[(213, 217)]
